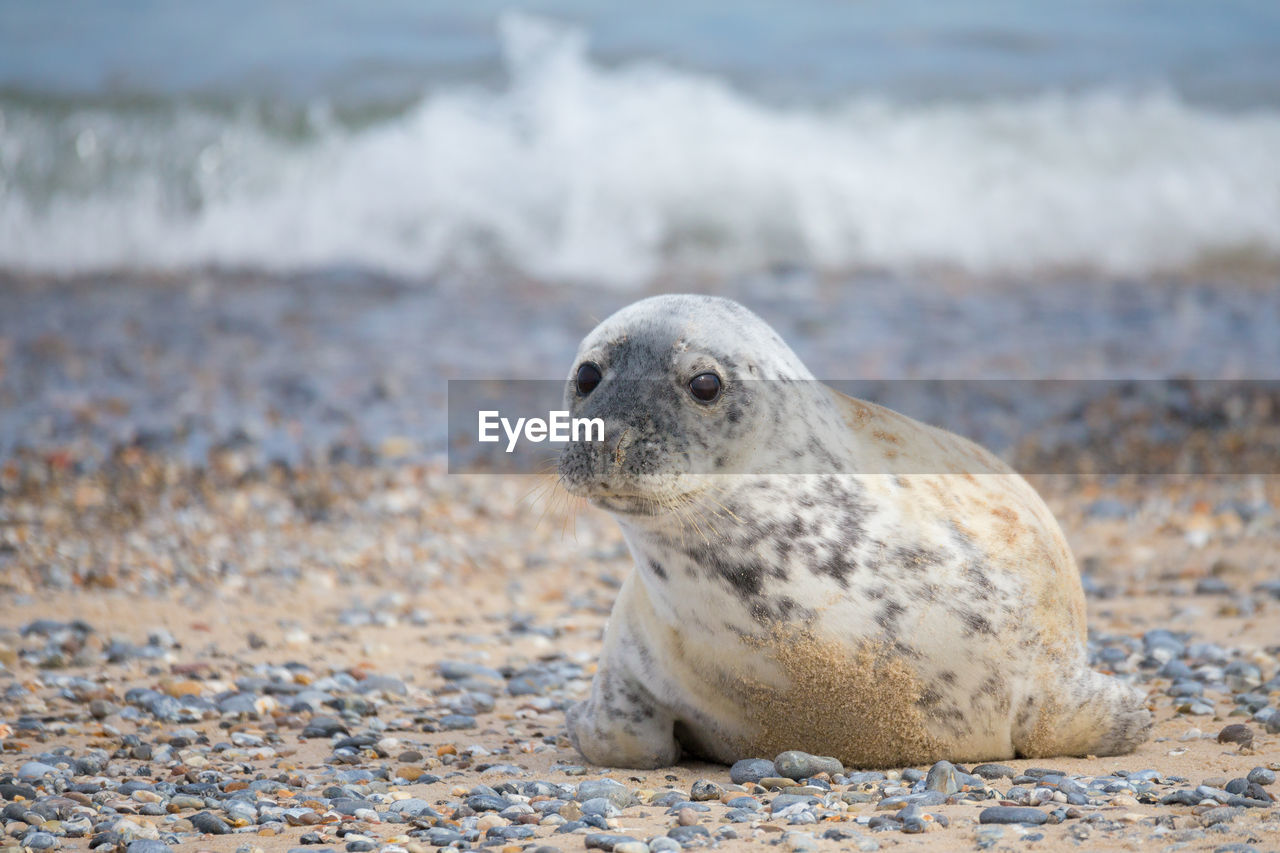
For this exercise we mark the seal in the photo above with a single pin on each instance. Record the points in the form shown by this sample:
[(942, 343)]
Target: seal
[(816, 572)]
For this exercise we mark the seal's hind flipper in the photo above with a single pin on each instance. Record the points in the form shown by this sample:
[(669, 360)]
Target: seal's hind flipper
[(1093, 714)]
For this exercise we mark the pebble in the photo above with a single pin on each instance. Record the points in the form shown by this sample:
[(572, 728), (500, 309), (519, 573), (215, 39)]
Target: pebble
[(35, 771), (1262, 776), (606, 841), (615, 792), (705, 789), (686, 834), (750, 770), (1237, 733), (942, 778), (144, 845), (794, 764), (1013, 814)]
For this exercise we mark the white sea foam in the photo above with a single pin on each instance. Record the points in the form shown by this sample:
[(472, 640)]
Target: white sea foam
[(576, 171)]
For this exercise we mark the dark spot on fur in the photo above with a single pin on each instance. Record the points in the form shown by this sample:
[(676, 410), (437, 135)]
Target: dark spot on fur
[(888, 615), (975, 623), (657, 569), (993, 685)]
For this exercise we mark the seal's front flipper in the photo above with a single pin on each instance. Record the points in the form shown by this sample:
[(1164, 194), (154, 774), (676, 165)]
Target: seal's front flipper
[(621, 725)]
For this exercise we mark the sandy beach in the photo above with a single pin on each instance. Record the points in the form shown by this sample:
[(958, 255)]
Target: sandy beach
[(262, 632)]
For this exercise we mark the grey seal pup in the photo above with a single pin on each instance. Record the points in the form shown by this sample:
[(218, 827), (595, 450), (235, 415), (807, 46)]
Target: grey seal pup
[(816, 572)]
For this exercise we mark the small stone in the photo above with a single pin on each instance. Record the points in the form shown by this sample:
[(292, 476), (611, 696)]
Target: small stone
[(615, 792), (144, 845), (209, 823), (1212, 586), (600, 806), (456, 722), (324, 727), (705, 789), (942, 778), (685, 834), (799, 842), (34, 771), (1237, 733), (1012, 814), (686, 817), (786, 801), (1261, 776), (1221, 814), (606, 841), (773, 783), (750, 770), (798, 765)]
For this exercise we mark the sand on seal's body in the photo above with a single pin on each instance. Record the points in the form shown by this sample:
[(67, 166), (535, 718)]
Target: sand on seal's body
[(816, 572)]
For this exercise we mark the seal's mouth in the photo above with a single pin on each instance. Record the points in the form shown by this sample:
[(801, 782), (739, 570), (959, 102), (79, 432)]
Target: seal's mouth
[(628, 504)]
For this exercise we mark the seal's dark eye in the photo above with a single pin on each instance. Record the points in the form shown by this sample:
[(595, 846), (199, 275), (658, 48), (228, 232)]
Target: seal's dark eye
[(705, 387), (588, 378)]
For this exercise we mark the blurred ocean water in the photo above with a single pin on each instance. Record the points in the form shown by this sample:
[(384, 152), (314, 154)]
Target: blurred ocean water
[(615, 144)]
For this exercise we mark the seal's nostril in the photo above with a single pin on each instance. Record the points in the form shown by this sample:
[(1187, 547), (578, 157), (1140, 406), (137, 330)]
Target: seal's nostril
[(620, 451)]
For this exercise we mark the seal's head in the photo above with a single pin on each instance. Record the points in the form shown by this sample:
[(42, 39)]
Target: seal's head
[(676, 381)]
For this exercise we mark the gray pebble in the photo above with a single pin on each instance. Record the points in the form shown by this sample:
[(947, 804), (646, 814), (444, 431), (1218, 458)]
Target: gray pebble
[(1012, 814), (751, 770), (454, 722), (1221, 814), (412, 806), (600, 806), (606, 840), (143, 845), (784, 801), (614, 792), (1261, 776), (942, 778), (34, 771), (687, 833), (705, 789), (994, 771), (794, 764), (324, 727), (209, 823), (458, 670)]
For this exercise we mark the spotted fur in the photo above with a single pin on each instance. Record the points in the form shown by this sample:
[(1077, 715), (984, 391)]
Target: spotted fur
[(817, 572)]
